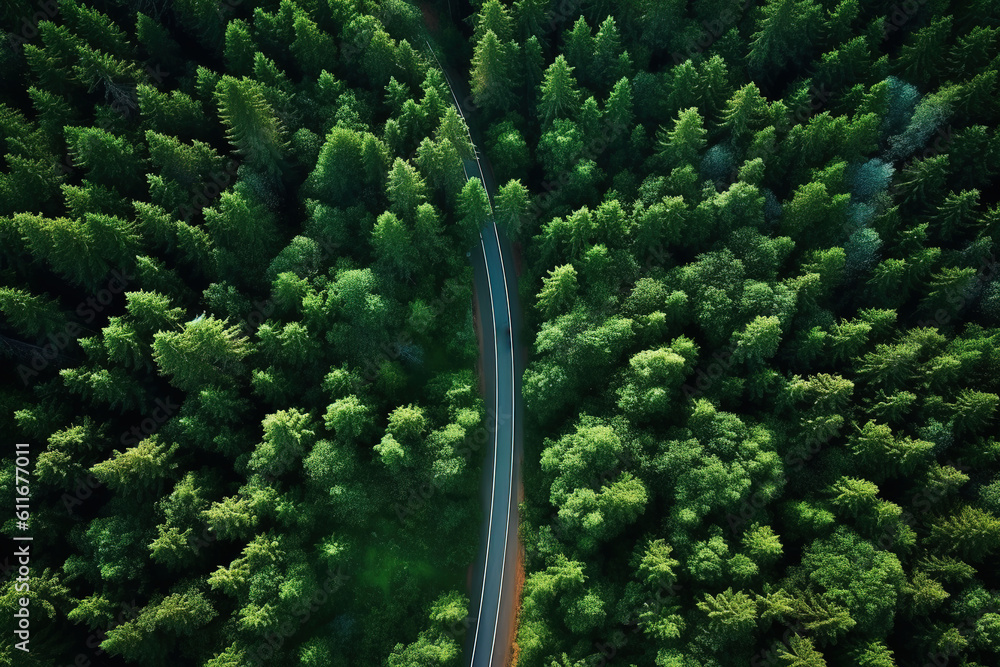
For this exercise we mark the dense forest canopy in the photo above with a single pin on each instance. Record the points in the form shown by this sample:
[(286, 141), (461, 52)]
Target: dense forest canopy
[(237, 333), (763, 311), (761, 248)]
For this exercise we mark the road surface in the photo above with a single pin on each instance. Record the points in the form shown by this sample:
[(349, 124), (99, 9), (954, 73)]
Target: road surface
[(494, 602)]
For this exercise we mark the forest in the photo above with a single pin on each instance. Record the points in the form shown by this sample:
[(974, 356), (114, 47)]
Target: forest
[(237, 333), (762, 304)]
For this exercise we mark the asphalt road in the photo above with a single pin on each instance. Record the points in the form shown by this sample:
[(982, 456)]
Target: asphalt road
[(494, 602)]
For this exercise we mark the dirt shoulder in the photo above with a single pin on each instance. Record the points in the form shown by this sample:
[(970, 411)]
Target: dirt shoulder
[(518, 588)]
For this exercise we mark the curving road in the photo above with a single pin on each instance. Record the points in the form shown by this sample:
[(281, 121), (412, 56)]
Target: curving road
[(496, 287)]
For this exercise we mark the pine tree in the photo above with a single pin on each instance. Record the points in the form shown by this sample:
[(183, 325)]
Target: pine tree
[(658, 21), (474, 211), (240, 48), (558, 291), (140, 470), (511, 209), (618, 109), (492, 74), (611, 60), (175, 114), (54, 113), (313, 48), (453, 129), (731, 615), (493, 16), (559, 95), (531, 17), (156, 39), (884, 455), (971, 52), (288, 436), (923, 181), (404, 133), (393, 244), (745, 114), (508, 151), (189, 165), (974, 410), (109, 160), (920, 60), (948, 290), (253, 127), (30, 314), (205, 352), (66, 245), (838, 24), (243, 234), (349, 161), (971, 533), (579, 48), (759, 340), (785, 34), (349, 419), (441, 164), (202, 21), (684, 144), (405, 189)]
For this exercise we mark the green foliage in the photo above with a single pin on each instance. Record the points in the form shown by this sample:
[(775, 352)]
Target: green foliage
[(491, 75), (784, 33), (253, 128), (558, 96), (206, 351), (558, 291), (109, 159), (760, 392)]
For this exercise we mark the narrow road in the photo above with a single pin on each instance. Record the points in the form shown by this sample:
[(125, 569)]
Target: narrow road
[(494, 603)]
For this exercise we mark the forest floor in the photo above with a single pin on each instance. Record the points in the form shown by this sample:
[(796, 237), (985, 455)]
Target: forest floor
[(518, 587)]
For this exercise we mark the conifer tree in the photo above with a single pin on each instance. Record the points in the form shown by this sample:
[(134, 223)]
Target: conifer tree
[(205, 352), (492, 73), (253, 127), (559, 96), (685, 142), (785, 32), (314, 49)]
